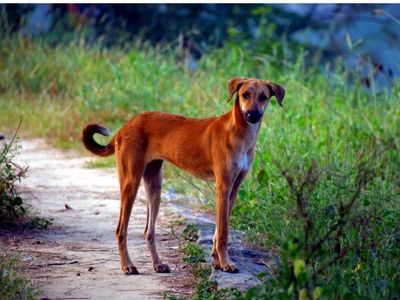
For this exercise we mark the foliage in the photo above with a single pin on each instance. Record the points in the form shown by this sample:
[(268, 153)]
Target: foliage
[(338, 248), (194, 255), (191, 233), (11, 204), (13, 284), (13, 210), (200, 27), (13, 16)]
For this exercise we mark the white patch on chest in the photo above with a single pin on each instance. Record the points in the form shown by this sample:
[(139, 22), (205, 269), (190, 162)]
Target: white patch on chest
[(244, 162)]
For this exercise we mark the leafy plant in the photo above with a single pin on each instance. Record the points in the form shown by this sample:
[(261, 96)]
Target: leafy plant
[(13, 211), (191, 233), (195, 257), (194, 253), (336, 250), (13, 284), (11, 204)]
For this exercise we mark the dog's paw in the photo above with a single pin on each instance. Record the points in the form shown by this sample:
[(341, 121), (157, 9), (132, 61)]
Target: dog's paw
[(215, 263), (130, 270), (162, 268), (230, 268)]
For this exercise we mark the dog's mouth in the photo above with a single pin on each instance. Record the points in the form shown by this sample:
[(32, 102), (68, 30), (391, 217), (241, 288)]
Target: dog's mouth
[(252, 116)]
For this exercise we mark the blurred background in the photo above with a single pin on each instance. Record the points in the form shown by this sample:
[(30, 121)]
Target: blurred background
[(361, 33)]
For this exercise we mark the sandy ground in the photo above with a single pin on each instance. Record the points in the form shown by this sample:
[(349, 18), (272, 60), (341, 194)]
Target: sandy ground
[(77, 257)]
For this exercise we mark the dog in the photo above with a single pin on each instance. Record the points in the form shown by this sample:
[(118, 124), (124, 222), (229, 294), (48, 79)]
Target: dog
[(219, 149)]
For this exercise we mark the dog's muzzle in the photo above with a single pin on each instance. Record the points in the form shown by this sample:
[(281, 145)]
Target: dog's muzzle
[(252, 116)]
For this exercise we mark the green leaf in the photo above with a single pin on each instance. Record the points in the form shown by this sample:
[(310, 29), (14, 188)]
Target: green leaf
[(348, 41), (349, 296), (290, 289), (17, 201), (317, 292), (262, 177), (366, 202), (242, 194), (303, 294), (262, 275), (299, 267), (191, 232)]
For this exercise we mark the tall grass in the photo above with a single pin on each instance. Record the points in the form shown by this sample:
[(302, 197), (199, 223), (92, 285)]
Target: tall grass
[(329, 119), (13, 282)]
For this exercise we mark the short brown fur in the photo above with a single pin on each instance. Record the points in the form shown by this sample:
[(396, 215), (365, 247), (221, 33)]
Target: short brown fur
[(218, 149)]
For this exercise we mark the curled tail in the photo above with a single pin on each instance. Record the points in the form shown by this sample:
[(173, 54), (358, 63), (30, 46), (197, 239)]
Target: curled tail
[(92, 145)]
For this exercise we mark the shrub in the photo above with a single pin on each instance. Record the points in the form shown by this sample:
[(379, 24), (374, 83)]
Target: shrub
[(11, 204), (341, 251), (13, 285)]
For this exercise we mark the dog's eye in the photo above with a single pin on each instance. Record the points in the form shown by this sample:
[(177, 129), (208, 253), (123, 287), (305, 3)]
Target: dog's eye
[(262, 97), (245, 95)]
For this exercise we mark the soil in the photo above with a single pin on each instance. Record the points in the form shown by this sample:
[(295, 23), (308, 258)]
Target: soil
[(77, 256)]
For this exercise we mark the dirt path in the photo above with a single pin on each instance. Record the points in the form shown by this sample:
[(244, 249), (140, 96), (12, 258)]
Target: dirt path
[(77, 257)]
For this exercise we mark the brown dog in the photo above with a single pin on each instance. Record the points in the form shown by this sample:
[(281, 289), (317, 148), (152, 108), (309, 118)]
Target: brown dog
[(220, 149)]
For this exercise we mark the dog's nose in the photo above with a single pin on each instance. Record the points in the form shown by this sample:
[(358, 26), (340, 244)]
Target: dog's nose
[(253, 116)]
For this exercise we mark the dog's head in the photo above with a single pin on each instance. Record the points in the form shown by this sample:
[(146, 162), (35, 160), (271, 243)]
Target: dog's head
[(253, 96)]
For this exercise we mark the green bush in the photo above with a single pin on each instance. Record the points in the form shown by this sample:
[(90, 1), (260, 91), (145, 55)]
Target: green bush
[(14, 285), (11, 204), (337, 250), (13, 210)]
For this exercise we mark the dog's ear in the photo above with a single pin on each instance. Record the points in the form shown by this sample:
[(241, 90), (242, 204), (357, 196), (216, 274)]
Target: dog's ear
[(277, 91), (234, 85)]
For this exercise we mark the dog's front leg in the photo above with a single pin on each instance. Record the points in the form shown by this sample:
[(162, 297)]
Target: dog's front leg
[(235, 190), (220, 247), (232, 198)]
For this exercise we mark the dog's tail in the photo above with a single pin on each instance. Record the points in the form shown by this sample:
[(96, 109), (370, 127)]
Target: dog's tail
[(92, 145)]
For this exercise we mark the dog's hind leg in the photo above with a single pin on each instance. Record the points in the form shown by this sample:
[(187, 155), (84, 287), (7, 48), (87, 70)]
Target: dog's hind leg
[(130, 174), (152, 182)]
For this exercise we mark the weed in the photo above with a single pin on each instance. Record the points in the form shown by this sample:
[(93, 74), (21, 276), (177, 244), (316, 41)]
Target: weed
[(194, 255), (178, 222), (317, 260), (38, 222), (191, 233), (13, 211), (13, 284), (11, 204)]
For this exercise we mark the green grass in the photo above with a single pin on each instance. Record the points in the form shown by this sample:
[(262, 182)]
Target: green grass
[(328, 118), (13, 284), (194, 255)]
